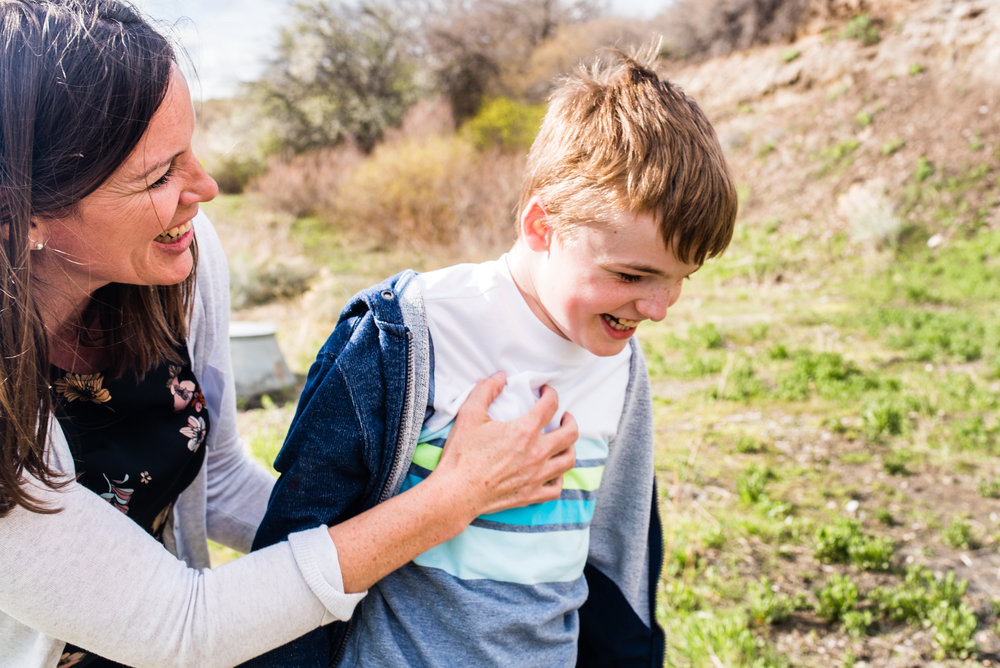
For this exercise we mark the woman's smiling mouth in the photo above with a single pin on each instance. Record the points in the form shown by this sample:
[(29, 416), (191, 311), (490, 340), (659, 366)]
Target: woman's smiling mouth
[(174, 233)]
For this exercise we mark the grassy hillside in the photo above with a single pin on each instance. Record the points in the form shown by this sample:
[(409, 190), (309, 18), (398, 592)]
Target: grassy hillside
[(827, 393)]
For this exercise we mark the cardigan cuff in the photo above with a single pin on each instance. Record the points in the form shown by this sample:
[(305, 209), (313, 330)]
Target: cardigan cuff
[(316, 556)]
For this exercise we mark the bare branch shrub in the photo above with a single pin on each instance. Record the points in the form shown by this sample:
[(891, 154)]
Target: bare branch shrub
[(703, 29), (570, 45), (473, 47), (308, 183)]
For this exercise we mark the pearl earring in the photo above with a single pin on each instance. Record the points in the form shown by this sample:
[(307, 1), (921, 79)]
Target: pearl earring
[(38, 245)]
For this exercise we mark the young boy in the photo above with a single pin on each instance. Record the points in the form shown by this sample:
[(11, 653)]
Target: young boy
[(626, 194)]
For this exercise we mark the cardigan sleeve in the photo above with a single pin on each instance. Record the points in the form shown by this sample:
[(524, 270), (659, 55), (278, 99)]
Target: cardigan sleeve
[(90, 576)]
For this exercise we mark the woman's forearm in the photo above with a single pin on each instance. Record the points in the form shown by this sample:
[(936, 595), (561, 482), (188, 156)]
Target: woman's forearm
[(380, 540)]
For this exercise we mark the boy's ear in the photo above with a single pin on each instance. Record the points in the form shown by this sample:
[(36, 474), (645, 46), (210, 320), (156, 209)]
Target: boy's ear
[(535, 228)]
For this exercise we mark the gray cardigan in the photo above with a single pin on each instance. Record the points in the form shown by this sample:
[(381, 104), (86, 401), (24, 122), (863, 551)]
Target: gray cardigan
[(71, 576)]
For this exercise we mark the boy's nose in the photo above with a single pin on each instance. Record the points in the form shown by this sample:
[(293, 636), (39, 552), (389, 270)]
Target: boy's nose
[(655, 304), (653, 308)]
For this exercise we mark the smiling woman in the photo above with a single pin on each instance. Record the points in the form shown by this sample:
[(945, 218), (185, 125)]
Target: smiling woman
[(134, 229), (119, 454)]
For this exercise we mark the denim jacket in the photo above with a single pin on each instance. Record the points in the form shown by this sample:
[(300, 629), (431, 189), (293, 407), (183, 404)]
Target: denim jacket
[(352, 440)]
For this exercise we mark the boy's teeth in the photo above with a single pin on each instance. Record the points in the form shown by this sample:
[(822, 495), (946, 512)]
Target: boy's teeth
[(174, 233), (620, 323)]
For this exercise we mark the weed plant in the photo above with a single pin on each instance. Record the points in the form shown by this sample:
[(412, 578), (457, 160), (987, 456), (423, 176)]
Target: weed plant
[(843, 542)]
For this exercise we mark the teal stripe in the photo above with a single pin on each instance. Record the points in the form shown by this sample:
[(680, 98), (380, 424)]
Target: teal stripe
[(556, 513), (441, 433), (523, 558), (591, 448), (550, 513)]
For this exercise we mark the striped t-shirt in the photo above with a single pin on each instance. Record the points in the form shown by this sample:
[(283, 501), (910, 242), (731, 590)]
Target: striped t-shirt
[(506, 590)]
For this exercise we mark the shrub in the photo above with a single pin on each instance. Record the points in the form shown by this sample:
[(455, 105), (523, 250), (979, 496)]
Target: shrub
[(234, 173), (768, 606), (883, 416), (506, 124), (842, 541), (924, 599), (752, 483), (430, 192), (305, 184), (838, 596), (699, 28), (959, 534)]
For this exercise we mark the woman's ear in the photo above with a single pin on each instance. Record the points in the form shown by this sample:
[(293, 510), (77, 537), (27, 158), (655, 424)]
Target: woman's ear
[(535, 228), (38, 234)]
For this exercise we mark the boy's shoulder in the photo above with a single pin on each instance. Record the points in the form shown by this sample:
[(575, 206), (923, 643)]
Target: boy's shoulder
[(464, 280)]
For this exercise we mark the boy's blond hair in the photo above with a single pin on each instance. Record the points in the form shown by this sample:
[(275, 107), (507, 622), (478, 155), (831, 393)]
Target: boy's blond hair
[(615, 137)]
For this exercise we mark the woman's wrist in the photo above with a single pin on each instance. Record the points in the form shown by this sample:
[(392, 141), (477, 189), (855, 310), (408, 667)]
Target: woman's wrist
[(383, 538), (452, 498)]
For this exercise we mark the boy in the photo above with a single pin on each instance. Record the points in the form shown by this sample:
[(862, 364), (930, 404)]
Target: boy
[(626, 194)]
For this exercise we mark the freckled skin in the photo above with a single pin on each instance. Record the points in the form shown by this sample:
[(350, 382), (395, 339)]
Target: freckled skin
[(595, 285)]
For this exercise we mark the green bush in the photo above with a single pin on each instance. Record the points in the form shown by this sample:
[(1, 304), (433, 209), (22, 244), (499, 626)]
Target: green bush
[(751, 485), (766, 605), (924, 599), (883, 416), (234, 173), (837, 597), (507, 124)]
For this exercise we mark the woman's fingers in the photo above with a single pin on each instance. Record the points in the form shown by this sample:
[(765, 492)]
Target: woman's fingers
[(508, 464), (560, 448), (483, 394)]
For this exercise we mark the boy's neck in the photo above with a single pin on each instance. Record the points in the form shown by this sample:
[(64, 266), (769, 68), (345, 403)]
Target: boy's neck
[(519, 263)]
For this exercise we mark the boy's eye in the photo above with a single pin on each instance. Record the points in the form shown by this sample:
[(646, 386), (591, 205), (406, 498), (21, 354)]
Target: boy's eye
[(628, 278), (163, 179)]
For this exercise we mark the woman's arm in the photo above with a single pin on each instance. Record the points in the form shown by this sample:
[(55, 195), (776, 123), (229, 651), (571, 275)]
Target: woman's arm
[(90, 576), (486, 466)]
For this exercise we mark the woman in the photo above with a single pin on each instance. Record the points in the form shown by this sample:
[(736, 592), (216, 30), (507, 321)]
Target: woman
[(119, 448)]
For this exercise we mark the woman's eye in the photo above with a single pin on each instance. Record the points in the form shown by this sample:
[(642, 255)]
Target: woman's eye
[(163, 179)]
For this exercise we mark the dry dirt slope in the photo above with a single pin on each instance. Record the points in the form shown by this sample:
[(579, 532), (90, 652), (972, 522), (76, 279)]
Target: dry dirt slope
[(931, 81)]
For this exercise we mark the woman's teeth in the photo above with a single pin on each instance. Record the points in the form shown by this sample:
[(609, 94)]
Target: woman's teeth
[(620, 324), (174, 233)]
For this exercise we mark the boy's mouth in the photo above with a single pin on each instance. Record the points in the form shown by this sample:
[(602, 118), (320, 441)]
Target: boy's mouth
[(174, 233), (620, 324)]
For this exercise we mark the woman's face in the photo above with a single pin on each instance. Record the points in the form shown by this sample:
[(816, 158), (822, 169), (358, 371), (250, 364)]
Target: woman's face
[(136, 227)]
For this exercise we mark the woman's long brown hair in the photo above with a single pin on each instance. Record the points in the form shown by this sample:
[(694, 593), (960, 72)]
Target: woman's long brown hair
[(79, 82)]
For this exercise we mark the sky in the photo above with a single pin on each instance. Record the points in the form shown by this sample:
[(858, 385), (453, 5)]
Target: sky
[(227, 40)]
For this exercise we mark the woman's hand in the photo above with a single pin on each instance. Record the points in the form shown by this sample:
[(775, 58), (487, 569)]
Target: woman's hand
[(486, 466), (497, 465)]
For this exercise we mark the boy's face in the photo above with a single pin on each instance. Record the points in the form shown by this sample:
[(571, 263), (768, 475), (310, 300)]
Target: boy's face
[(595, 284)]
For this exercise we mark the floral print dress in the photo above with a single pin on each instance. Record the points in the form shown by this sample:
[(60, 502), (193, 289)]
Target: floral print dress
[(137, 444)]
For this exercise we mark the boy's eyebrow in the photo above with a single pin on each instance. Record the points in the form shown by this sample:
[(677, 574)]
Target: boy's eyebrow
[(647, 269)]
